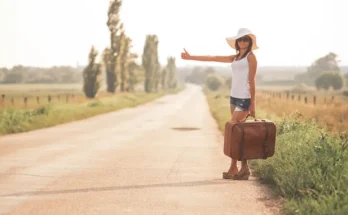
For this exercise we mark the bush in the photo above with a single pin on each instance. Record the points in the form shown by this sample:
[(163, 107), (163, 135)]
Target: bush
[(345, 93), (300, 88), (213, 82), (330, 79), (309, 169)]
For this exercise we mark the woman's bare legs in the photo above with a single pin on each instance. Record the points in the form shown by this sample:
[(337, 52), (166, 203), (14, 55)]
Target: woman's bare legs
[(236, 115), (244, 171)]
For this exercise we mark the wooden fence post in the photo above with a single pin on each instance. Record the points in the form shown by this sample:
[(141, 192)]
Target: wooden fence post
[(314, 100), (25, 101), (3, 100), (49, 99)]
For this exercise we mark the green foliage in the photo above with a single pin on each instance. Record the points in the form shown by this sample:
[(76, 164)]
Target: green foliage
[(345, 93), (15, 121), (171, 71), (113, 24), (123, 59), (91, 75), (330, 79), (309, 169), (213, 82), (133, 67), (150, 62), (164, 78), (157, 76), (327, 63), (197, 76), (22, 120), (324, 64), (30, 75)]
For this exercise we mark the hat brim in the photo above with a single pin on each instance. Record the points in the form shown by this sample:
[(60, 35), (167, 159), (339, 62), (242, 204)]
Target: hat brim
[(232, 41)]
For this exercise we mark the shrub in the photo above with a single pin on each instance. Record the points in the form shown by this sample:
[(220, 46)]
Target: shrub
[(330, 79), (213, 82), (310, 169), (345, 93)]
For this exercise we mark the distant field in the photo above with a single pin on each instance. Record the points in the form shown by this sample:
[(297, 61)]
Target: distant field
[(304, 90), (30, 89), (39, 94)]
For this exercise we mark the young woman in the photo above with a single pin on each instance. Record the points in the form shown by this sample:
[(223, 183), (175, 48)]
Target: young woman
[(242, 95)]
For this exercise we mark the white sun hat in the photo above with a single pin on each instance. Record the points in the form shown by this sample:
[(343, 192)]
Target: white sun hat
[(241, 33)]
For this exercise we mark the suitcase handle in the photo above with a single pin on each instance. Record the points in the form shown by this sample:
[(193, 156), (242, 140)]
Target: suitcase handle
[(255, 119)]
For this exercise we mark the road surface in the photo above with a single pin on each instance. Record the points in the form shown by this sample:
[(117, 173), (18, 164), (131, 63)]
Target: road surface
[(164, 157)]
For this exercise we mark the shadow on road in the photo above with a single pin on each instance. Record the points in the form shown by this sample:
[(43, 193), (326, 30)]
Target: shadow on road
[(186, 128), (113, 188)]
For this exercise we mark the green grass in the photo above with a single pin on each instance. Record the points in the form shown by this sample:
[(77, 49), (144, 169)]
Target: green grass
[(309, 168), (15, 120)]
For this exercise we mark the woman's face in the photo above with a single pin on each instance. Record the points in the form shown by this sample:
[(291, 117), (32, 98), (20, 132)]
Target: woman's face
[(244, 42)]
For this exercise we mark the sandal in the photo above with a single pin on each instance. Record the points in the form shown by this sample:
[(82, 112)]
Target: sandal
[(241, 176), (225, 175)]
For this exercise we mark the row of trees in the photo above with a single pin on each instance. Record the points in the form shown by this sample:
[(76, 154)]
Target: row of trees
[(22, 74), (122, 71)]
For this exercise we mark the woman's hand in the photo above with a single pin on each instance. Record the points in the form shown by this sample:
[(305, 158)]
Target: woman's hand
[(252, 111), (185, 55)]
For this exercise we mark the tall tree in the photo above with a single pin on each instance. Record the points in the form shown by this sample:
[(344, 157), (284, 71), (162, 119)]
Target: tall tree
[(125, 45), (157, 76), (91, 75), (107, 60), (113, 25), (132, 68), (164, 78), (150, 62), (327, 63), (171, 68)]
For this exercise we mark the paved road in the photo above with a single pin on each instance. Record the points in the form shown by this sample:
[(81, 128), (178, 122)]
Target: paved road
[(163, 157)]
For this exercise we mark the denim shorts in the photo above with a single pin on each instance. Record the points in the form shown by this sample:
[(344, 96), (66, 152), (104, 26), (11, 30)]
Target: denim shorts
[(240, 104)]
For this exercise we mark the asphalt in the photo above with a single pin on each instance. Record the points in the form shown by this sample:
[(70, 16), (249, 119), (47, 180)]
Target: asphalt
[(163, 157)]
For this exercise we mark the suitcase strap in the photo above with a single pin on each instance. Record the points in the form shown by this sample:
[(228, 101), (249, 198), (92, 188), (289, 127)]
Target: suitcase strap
[(265, 143), (241, 146)]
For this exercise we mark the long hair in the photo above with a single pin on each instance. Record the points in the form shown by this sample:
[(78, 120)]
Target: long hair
[(248, 49)]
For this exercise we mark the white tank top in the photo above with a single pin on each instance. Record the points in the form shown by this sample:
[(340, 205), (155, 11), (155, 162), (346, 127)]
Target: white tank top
[(240, 78)]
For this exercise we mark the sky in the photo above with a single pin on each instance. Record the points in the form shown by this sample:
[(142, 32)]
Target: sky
[(289, 33)]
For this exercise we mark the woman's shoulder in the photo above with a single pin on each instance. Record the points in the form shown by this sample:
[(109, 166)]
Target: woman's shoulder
[(251, 56)]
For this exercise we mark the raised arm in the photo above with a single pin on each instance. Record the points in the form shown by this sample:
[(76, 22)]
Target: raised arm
[(223, 59)]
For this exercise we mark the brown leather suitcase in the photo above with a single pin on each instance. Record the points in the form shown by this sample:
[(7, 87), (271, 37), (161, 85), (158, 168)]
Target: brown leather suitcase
[(250, 139)]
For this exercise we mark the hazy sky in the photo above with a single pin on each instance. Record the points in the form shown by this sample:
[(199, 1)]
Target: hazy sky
[(296, 32)]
